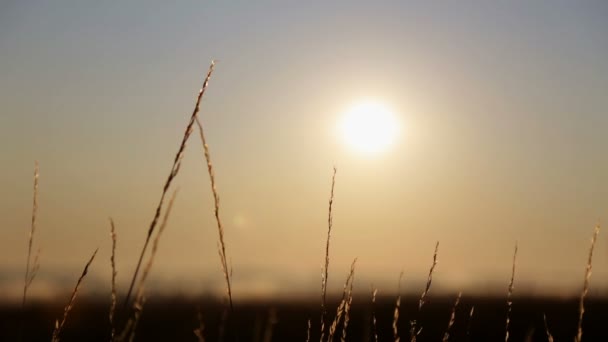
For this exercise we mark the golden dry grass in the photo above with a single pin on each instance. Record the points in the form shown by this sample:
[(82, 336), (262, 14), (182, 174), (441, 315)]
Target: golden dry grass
[(113, 296), (324, 274), (270, 323), (396, 311), (429, 280), (199, 331), (343, 306), (581, 310), (343, 309), (66, 311), (348, 305), (139, 302), (308, 330), (470, 321), (414, 331), (177, 161), (374, 320), (446, 336), (547, 332), (31, 269), (510, 294), (216, 211)]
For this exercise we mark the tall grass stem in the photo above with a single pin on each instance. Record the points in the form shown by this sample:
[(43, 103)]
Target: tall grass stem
[(177, 161)]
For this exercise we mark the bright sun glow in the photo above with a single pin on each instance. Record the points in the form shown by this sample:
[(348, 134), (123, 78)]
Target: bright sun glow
[(369, 127)]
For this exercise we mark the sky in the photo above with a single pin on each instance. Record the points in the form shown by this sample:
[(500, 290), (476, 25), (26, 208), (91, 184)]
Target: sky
[(502, 114)]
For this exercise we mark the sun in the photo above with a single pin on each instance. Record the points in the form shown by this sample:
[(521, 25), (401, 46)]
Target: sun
[(369, 127)]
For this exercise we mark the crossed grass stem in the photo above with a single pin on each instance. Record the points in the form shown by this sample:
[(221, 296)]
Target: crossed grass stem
[(172, 174)]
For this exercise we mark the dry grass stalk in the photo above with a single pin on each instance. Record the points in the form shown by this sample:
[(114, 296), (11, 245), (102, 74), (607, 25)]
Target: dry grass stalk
[(510, 294), (113, 295), (138, 308), (31, 269), (223, 324), (308, 331), (59, 326), (413, 333), (429, 279), (396, 312), (374, 321), (270, 323), (139, 298), (172, 174), (446, 336), (123, 335), (324, 273), (581, 308), (469, 322), (334, 325), (161, 229), (199, 331), (216, 201), (549, 336), (423, 297), (349, 303), (342, 307)]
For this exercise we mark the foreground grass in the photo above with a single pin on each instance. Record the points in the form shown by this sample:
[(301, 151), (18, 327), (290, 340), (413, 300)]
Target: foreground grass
[(417, 322)]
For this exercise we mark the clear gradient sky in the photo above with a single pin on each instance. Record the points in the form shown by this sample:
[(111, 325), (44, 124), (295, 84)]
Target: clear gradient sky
[(503, 110)]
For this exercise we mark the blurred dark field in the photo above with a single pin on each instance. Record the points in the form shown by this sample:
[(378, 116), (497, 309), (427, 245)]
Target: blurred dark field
[(173, 319)]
